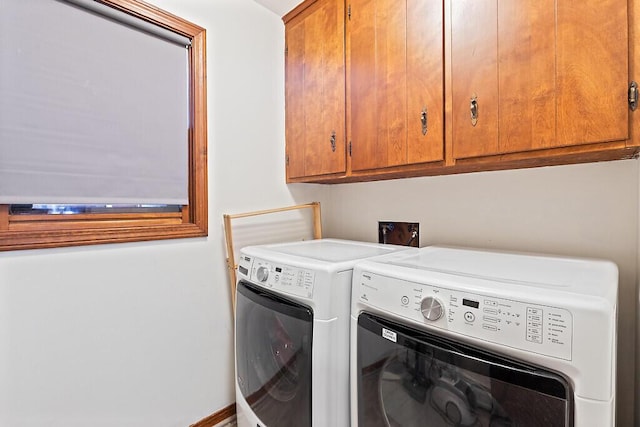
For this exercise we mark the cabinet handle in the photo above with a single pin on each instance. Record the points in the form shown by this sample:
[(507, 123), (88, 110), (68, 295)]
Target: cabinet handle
[(423, 120), (474, 110), (333, 141)]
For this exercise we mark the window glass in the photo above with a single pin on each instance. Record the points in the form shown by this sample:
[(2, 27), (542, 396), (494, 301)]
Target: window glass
[(83, 209)]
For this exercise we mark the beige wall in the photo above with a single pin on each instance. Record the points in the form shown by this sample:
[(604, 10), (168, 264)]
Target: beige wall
[(581, 210)]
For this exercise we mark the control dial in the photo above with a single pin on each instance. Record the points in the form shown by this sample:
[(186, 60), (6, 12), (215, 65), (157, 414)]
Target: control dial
[(431, 309), (263, 273)]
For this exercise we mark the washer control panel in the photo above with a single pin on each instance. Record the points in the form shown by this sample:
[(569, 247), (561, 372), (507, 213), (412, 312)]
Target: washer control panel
[(280, 277), (531, 327)]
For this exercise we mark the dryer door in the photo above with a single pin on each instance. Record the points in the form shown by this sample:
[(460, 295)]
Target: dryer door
[(411, 378), (273, 356)]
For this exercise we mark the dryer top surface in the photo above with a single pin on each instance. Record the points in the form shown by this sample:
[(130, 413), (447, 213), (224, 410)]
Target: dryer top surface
[(324, 250)]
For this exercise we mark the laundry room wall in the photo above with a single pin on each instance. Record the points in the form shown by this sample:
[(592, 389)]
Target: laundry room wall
[(588, 210), (140, 334)]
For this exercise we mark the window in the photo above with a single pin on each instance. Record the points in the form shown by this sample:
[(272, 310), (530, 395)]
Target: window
[(40, 225)]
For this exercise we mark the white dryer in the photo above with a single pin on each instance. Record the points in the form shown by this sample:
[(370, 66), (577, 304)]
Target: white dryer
[(449, 336), (292, 332)]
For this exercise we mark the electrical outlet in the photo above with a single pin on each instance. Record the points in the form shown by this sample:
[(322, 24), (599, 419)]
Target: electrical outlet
[(399, 233)]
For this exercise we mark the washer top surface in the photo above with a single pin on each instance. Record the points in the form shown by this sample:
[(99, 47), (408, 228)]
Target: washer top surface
[(325, 250), (574, 275)]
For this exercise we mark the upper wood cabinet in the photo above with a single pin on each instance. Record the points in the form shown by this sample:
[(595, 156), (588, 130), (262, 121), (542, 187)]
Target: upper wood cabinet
[(395, 81), (538, 74), (315, 90), (449, 86)]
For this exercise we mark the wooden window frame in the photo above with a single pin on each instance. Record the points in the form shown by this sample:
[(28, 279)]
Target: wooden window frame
[(48, 231)]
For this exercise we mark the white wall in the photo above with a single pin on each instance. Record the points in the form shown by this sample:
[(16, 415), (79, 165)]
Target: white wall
[(141, 334), (581, 210)]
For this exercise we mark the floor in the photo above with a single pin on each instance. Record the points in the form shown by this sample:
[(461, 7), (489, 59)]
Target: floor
[(231, 422)]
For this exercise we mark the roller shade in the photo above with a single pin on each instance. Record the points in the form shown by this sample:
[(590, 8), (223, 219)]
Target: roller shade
[(93, 109)]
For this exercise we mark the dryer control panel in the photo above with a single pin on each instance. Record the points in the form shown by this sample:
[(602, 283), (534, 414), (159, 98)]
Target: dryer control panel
[(531, 327), (283, 278)]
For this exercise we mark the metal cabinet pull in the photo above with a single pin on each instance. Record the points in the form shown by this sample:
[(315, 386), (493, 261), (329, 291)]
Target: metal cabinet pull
[(423, 120), (474, 110), (333, 141)]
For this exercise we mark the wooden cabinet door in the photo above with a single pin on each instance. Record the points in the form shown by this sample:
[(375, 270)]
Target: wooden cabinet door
[(544, 74), (394, 72), (425, 81), (592, 71), (315, 91), (474, 76)]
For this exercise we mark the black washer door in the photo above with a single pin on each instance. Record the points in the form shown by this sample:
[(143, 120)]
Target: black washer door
[(408, 378), (273, 356)]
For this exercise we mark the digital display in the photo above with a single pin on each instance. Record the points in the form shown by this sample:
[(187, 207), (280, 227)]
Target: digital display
[(470, 303), (278, 270)]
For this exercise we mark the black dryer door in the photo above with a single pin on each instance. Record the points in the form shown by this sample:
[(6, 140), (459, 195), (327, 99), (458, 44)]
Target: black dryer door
[(273, 356)]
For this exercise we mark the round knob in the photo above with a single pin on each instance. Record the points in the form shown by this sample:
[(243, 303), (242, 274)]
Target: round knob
[(262, 274), (431, 308)]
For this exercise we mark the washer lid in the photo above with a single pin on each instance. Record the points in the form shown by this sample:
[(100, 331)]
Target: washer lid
[(334, 250)]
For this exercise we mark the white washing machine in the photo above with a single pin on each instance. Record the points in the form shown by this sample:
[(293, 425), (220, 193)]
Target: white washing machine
[(450, 336), (292, 332)]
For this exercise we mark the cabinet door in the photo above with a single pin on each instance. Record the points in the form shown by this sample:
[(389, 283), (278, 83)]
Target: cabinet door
[(425, 81), (395, 52), (315, 91), (474, 76), (592, 71), (543, 74)]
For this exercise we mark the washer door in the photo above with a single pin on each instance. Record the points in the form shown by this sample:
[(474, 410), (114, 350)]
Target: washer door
[(273, 356), (412, 378)]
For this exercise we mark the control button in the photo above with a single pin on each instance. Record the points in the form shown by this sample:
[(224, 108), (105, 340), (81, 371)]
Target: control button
[(489, 319), (490, 310), (534, 325), (262, 274), (490, 302), (535, 338), (431, 309), (404, 300), (469, 316), (490, 327)]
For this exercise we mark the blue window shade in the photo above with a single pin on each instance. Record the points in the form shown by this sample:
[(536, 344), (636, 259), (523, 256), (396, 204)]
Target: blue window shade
[(93, 110)]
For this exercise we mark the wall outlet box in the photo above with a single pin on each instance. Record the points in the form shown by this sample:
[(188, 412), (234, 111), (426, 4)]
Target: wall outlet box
[(399, 233)]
